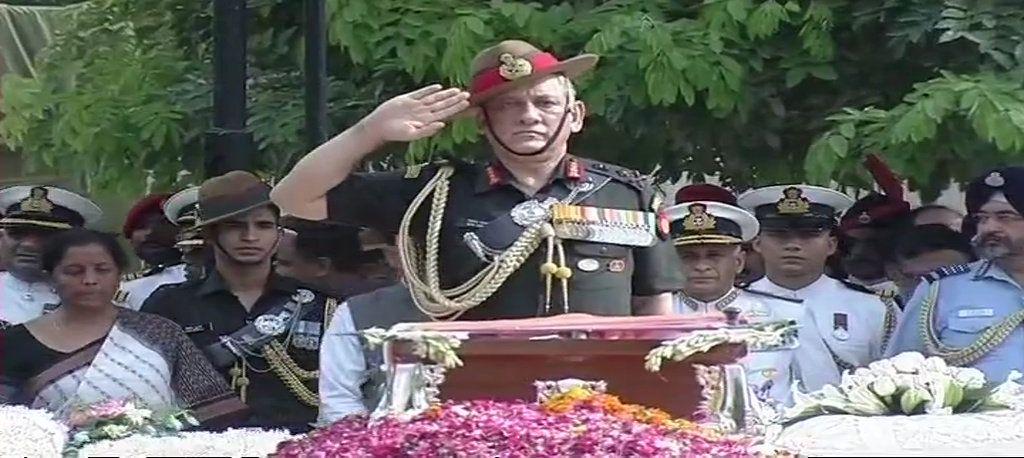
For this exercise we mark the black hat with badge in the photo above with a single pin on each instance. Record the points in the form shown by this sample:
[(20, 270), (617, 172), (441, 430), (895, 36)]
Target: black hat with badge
[(795, 207), (1007, 181), (46, 208)]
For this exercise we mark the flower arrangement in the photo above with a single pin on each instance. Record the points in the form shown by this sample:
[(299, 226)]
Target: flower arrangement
[(30, 432), (438, 347), (577, 423), (121, 418), (233, 442), (758, 337), (907, 384)]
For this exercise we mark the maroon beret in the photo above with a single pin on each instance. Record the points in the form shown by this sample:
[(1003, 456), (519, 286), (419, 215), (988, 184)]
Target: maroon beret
[(152, 203)]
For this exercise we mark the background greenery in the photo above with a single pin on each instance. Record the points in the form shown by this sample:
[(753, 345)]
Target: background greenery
[(757, 91)]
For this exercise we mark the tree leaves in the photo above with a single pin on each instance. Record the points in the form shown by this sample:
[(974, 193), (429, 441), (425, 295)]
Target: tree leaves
[(742, 89)]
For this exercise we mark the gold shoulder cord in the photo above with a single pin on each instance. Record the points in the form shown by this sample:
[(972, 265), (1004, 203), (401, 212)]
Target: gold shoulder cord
[(330, 305), (290, 373), (889, 324), (286, 368), (424, 280), (990, 339)]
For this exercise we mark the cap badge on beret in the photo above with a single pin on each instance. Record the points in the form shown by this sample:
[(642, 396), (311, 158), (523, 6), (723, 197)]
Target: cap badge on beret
[(514, 67), (864, 218), (793, 202), (995, 180), (37, 201), (699, 219)]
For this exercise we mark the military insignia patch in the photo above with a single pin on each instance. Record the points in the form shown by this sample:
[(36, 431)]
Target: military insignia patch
[(37, 201), (699, 219), (793, 202), (514, 67), (995, 180)]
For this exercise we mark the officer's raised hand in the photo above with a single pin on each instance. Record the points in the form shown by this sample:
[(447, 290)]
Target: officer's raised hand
[(415, 115), (407, 117)]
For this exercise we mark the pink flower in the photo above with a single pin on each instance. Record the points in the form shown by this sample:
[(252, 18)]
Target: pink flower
[(108, 409), (506, 429)]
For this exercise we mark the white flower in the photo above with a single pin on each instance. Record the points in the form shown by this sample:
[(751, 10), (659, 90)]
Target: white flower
[(864, 402), (970, 377), (912, 398), (936, 364), (884, 386), (138, 416), (233, 442), (908, 362), (114, 431), (882, 367), (30, 432), (173, 423)]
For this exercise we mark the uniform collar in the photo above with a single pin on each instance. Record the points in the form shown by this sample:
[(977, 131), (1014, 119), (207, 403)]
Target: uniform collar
[(986, 269), (495, 174), (823, 283), (214, 283), (718, 304)]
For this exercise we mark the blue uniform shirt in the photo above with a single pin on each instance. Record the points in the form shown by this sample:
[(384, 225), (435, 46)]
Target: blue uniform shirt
[(969, 301)]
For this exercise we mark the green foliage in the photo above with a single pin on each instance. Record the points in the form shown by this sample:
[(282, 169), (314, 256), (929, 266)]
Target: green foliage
[(756, 91), (953, 125)]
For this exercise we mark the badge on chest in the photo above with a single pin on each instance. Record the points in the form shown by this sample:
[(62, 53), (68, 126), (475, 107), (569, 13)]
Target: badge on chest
[(841, 326)]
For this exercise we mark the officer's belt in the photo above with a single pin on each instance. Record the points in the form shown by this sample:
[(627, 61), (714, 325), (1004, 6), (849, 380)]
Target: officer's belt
[(249, 339)]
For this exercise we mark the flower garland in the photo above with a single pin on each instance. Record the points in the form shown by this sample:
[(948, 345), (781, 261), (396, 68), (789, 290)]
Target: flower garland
[(233, 442), (438, 347), (577, 423), (758, 337), (30, 432)]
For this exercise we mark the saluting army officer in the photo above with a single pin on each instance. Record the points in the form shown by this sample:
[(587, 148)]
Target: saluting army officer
[(971, 314), (537, 231), (798, 225), (261, 330), (32, 214), (708, 237), (177, 209)]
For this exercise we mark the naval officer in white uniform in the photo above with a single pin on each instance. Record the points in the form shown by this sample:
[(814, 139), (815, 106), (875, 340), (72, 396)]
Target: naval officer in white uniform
[(31, 215), (708, 237), (798, 224), (179, 209)]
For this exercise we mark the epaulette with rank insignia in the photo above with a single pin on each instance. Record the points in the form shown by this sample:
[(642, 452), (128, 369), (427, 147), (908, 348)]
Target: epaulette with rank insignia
[(746, 288), (958, 269), (133, 276), (625, 175)]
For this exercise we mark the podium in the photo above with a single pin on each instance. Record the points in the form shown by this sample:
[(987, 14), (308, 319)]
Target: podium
[(503, 359)]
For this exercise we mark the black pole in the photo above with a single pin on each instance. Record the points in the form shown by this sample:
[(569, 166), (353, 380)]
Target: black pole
[(316, 73), (228, 145)]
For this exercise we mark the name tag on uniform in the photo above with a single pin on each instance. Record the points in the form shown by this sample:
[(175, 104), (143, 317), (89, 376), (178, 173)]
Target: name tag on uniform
[(197, 328), (975, 313)]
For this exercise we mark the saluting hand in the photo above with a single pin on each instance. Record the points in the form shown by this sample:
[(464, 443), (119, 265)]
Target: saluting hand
[(417, 114)]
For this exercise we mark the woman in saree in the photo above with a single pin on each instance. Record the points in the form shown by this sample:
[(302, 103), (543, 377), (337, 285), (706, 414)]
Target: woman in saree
[(89, 350)]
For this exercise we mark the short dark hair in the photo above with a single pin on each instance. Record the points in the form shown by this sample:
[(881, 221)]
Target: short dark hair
[(57, 247), (338, 243), (919, 240)]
